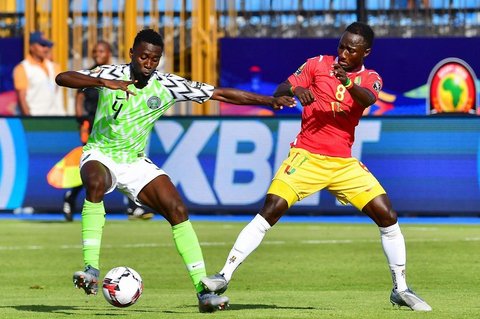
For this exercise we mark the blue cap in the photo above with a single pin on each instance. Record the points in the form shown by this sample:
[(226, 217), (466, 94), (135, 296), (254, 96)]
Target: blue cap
[(37, 37)]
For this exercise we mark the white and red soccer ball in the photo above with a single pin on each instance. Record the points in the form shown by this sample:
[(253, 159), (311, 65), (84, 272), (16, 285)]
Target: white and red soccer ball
[(122, 286)]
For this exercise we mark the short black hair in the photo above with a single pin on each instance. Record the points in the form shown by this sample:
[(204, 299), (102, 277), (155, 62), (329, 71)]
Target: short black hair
[(150, 36), (364, 30)]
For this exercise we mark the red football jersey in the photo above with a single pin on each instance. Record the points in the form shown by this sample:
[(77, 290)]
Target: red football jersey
[(328, 124)]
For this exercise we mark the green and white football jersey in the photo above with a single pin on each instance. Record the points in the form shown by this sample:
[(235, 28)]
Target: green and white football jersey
[(122, 125)]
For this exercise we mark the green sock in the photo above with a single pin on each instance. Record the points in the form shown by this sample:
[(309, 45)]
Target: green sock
[(93, 220), (189, 249)]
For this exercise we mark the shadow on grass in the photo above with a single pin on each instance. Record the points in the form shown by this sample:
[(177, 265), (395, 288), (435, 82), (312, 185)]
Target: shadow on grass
[(76, 310), (237, 306), (261, 306), (73, 310), (45, 221)]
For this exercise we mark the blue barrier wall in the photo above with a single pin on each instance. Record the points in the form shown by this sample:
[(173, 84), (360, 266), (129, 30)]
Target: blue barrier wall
[(427, 165)]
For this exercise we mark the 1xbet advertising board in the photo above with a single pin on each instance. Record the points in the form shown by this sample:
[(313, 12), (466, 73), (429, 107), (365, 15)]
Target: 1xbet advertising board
[(427, 165), (415, 80)]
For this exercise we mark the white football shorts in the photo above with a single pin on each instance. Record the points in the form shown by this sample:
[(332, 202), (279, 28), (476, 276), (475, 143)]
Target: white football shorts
[(130, 178)]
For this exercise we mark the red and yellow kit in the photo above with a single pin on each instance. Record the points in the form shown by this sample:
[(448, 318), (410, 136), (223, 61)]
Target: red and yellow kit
[(328, 124), (320, 156)]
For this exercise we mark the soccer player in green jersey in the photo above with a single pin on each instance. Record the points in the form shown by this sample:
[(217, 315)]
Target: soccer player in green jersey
[(132, 97)]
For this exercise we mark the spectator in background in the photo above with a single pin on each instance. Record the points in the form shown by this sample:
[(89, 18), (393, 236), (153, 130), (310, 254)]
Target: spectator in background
[(34, 80), (85, 107)]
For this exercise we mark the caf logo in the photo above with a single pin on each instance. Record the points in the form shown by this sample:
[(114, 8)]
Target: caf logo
[(452, 88)]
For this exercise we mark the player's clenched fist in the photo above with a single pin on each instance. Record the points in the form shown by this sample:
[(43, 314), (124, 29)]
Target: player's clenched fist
[(304, 95), (279, 102)]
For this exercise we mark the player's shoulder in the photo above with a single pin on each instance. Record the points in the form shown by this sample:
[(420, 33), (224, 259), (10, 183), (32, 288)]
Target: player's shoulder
[(321, 59), (320, 62), (166, 76), (169, 80), (184, 89), (115, 70), (372, 79), (372, 73), (108, 71)]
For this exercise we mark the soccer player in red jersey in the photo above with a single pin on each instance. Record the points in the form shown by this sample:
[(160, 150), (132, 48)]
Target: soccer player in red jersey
[(334, 92)]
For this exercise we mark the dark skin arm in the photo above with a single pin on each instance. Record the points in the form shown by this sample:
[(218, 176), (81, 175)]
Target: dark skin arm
[(304, 95), (77, 80), (241, 97), (359, 94), (283, 89)]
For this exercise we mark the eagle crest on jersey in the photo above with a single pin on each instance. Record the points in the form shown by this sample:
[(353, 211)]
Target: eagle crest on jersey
[(153, 102), (123, 123)]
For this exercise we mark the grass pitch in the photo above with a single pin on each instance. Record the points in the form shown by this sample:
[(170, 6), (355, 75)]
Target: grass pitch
[(300, 271)]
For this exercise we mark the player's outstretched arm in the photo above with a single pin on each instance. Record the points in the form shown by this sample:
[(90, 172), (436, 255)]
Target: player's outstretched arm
[(76, 80), (241, 97), (305, 96)]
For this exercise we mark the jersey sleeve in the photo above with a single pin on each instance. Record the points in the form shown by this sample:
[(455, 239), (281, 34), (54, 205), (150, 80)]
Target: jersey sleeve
[(186, 90), (373, 83), (303, 76), (109, 72)]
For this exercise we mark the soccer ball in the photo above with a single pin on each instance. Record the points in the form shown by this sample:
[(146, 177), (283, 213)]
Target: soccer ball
[(122, 286)]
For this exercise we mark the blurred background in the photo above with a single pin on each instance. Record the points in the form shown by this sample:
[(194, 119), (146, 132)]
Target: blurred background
[(200, 36), (420, 139)]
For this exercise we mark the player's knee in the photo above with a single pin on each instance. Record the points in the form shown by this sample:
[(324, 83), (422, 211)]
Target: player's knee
[(95, 188), (176, 212), (273, 208), (389, 217), (381, 211)]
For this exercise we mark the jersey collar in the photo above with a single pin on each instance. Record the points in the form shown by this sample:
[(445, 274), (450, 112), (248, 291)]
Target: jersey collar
[(128, 74)]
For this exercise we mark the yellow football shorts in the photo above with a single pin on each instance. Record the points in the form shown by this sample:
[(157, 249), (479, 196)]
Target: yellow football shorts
[(304, 173)]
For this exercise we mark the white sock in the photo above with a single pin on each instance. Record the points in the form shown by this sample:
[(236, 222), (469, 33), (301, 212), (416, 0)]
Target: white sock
[(394, 248), (247, 241)]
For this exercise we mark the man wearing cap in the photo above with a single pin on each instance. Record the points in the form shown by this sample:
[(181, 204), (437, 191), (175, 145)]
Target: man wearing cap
[(34, 80)]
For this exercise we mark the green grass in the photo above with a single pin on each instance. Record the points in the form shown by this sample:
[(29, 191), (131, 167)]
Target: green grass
[(300, 271)]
